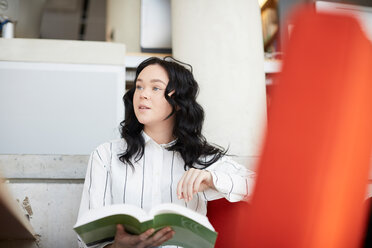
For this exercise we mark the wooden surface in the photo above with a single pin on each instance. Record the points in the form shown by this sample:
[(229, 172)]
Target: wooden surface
[(13, 224)]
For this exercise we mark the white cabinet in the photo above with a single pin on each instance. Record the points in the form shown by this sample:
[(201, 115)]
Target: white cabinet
[(60, 105)]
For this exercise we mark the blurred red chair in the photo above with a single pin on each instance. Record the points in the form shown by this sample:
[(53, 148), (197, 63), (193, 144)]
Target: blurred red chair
[(313, 173), (221, 214)]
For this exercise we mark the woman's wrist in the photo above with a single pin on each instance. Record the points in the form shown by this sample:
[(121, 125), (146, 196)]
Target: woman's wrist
[(210, 180)]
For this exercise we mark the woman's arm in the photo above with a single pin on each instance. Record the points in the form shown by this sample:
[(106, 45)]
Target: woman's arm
[(225, 178)]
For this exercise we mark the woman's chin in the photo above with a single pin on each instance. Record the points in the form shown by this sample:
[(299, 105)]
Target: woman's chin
[(144, 121)]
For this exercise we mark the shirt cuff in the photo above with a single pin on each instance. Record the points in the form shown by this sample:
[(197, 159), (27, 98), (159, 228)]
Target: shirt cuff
[(233, 187), (222, 182)]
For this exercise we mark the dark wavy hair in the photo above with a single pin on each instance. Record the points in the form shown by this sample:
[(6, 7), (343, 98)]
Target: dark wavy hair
[(189, 118)]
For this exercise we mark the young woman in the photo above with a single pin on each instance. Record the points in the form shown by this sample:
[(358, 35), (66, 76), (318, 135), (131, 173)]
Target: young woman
[(162, 156)]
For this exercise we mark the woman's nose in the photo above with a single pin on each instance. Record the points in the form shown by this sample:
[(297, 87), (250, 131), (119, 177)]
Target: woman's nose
[(144, 94)]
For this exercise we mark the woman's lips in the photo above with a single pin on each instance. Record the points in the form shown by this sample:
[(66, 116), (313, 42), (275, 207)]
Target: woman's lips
[(143, 107)]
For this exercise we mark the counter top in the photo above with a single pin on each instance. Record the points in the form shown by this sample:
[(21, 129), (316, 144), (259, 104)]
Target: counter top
[(62, 51)]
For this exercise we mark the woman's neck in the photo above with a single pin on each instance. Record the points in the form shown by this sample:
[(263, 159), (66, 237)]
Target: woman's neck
[(160, 134)]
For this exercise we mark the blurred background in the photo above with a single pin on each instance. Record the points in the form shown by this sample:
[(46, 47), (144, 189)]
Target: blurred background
[(65, 65)]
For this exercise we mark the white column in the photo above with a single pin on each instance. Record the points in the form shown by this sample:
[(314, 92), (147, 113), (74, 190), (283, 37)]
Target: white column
[(123, 22), (222, 40)]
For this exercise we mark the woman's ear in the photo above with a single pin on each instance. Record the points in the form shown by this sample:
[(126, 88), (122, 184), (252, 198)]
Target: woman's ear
[(171, 93)]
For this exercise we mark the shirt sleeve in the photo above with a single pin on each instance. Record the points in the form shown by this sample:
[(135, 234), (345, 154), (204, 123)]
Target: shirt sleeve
[(96, 189), (231, 180)]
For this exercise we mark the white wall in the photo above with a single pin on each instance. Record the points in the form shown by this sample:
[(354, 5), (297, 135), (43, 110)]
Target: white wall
[(223, 42)]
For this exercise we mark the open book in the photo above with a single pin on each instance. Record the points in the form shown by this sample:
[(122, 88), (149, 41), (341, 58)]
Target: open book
[(191, 229)]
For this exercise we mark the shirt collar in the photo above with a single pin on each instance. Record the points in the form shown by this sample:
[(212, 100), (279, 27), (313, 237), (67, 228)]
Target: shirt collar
[(148, 138)]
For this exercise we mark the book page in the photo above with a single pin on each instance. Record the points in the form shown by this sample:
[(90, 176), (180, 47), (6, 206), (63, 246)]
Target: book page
[(98, 213), (177, 209)]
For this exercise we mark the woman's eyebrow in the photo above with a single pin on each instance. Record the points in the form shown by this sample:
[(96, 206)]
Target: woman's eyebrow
[(157, 81), (153, 81)]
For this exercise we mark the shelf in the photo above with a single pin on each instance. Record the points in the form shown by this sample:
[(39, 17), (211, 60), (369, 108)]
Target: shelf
[(132, 60)]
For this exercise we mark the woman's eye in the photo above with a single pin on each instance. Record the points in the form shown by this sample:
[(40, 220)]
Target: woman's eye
[(138, 87), (156, 88)]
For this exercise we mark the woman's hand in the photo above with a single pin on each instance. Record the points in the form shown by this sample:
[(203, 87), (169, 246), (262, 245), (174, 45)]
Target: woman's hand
[(194, 181), (126, 240)]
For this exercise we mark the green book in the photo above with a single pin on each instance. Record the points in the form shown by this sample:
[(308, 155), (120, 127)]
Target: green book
[(191, 228)]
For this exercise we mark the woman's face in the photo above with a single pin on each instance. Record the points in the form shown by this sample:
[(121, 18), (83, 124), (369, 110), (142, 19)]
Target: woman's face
[(150, 106)]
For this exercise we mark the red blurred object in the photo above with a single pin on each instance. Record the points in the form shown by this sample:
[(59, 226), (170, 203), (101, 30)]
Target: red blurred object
[(222, 213), (312, 177)]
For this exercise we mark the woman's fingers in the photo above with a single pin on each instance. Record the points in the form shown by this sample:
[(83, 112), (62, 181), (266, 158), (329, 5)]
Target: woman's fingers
[(188, 183), (193, 181), (160, 237), (120, 230), (165, 238), (144, 236), (121, 233), (122, 238), (179, 186)]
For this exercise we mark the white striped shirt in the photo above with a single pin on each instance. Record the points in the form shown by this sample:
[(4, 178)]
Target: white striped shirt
[(154, 179)]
